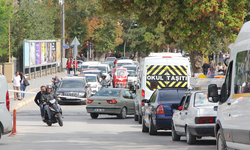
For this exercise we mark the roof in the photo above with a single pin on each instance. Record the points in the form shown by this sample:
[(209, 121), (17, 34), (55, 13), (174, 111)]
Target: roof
[(99, 65), (74, 78), (125, 60), (129, 66), (92, 71), (91, 62), (90, 75)]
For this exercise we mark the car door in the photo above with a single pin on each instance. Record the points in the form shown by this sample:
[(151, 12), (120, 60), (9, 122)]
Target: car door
[(129, 102), (149, 107), (177, 116)]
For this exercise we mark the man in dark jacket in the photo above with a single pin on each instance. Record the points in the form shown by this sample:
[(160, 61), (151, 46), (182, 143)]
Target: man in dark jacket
[(205, 68), (38, 100), (46, 97)]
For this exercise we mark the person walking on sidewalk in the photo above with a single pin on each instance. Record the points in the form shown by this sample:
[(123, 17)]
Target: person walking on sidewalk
[(38, 100), (212, 67), (75, 65), (205, 68), (23, 87), (16, 80), (68, 64)]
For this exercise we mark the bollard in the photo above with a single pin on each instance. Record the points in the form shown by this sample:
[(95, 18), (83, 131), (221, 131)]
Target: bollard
[(14, 124)]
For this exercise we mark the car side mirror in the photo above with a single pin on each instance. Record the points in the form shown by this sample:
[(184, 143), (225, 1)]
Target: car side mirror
[(213, 95), (180, 108), (145, 101)]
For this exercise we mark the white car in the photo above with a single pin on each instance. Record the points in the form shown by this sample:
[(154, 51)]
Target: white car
[(123, 62), (5, 117), (93, 80), (132, 78), (194, 117), (86, 64), (105, 71)]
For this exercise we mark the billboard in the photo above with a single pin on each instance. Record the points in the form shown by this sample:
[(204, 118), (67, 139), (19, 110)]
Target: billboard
[(41, 52)]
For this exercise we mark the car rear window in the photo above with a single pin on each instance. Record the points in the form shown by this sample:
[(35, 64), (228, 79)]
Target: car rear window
[(171, 95), (131, 68), (88, 72), (201, 100), (108, 92)]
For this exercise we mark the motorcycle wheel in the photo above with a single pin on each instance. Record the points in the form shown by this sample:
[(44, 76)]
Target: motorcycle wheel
[(49, 123), (60, 121)]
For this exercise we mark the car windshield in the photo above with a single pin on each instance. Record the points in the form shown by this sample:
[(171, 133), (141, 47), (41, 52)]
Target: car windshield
[(89, 72), (171, 95), (110, 59), (132, 73), (201, 100), (71, 84), (136, 63), (102, 68), (122, 64), (84, 66), (120, 72), (91, 78), (114, 93), (130, 68)]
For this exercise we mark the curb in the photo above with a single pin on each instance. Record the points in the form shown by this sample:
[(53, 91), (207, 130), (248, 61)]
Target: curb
[(20, 104)]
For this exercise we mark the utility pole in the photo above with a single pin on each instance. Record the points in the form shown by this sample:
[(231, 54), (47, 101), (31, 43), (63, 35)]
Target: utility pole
[(61, 29), (9, 41), (63, 32)]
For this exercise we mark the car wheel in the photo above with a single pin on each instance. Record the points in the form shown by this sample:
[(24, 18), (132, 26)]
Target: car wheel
[(94, 116), (123, 113), (190, 138), (144, 128), (175, 137), (139, 119), (136, 117), (220, 142), (152, 130)]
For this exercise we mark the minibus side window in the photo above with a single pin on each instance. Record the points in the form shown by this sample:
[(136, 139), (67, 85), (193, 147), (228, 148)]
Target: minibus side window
[(242, 73), (226, 87)]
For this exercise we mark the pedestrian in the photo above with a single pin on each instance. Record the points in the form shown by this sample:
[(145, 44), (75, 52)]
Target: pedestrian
[(219, 67), (205, 68), (38, 100), (82, 57), (23, 86), (212, 67), (16, 80), (68, 64), (75, 65)]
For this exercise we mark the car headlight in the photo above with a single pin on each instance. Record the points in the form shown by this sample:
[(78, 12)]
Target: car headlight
[(94, 86), (81, 94)]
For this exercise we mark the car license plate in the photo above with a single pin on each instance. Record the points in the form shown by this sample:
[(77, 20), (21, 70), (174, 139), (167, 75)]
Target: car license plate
[(99, 110)]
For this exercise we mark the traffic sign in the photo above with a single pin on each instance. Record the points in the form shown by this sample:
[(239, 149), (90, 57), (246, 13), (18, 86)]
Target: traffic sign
[(75, 43)]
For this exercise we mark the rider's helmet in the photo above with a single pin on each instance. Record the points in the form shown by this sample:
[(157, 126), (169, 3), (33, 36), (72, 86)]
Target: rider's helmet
[(48, 87)]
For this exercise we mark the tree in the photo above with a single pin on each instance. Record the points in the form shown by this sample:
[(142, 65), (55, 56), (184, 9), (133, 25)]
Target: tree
[(190, 20), (5, 16)]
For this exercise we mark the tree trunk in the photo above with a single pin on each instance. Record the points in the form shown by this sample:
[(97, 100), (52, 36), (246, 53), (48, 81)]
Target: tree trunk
[(196, 60)]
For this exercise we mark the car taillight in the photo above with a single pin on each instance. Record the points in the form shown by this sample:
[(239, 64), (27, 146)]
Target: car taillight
[(143, 93), (201, 120), (160, 109), (7, 101), (89, 101), (112, 101)]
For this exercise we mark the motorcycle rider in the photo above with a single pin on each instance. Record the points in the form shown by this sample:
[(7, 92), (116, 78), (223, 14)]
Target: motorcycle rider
[(38, 100), (46, 97), (104, 82)]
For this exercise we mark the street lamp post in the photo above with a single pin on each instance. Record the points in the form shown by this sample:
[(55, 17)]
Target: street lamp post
[(125, 41)]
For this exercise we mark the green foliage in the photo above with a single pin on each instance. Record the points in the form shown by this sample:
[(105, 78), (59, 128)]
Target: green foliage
[(34, 20), (5, 16)]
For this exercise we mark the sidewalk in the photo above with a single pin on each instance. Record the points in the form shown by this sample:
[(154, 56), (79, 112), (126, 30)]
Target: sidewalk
[(34, 87)]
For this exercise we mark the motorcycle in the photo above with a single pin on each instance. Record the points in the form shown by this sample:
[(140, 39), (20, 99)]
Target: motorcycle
[(56, 113)]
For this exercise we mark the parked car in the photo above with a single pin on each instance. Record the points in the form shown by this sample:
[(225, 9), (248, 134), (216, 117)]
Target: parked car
[(158, 112), (120, 77), (92, 71), (86, 64), (110, 101), (194, 117), (113, 59), (94, 81), (74, 89), (5, 117)]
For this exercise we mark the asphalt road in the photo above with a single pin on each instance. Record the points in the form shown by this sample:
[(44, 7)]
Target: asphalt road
[(81, 132)]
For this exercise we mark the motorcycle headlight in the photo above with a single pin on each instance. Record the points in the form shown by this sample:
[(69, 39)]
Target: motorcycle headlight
[(94, 86), (81, 94)]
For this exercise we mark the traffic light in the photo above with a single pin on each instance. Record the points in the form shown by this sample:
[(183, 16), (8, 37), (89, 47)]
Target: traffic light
[(87, 45)]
